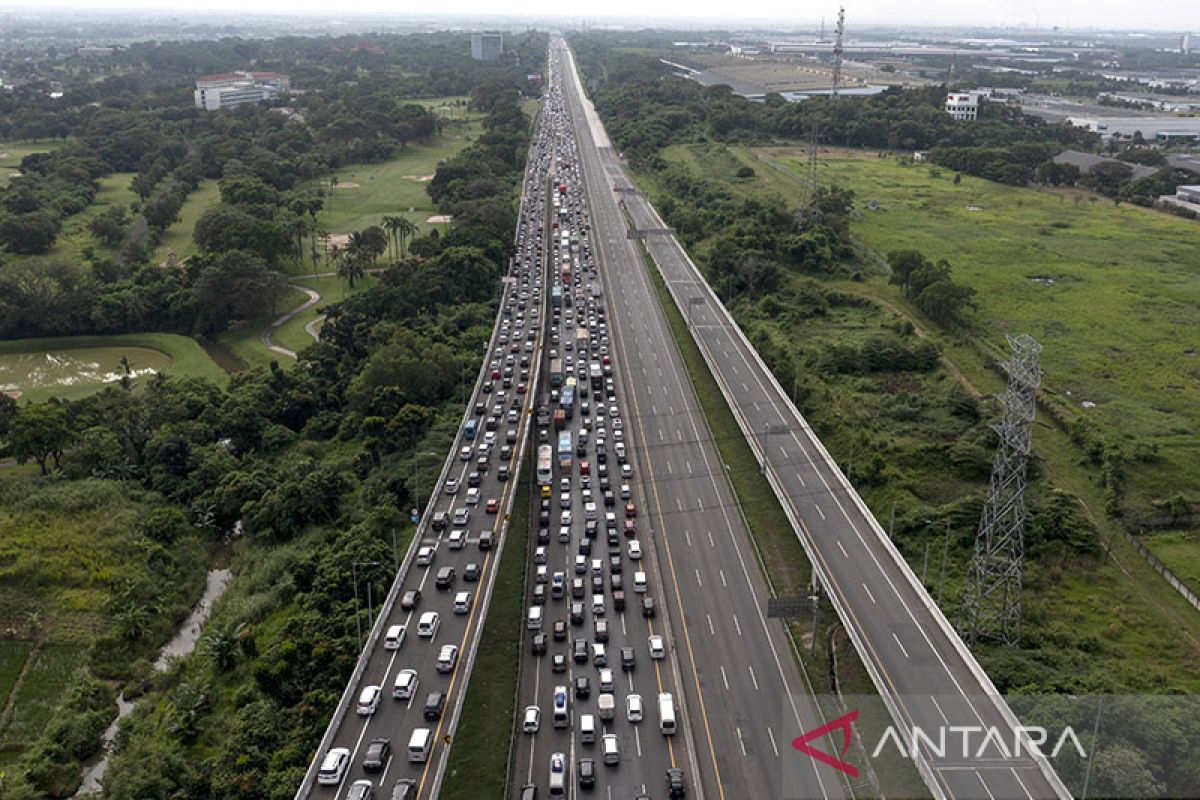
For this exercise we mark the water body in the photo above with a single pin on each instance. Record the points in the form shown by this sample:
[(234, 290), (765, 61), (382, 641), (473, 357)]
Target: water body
[(50, 369), (181, 645)]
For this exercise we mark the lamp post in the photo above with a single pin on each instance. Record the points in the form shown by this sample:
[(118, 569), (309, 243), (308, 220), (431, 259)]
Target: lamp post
[(354, 565)]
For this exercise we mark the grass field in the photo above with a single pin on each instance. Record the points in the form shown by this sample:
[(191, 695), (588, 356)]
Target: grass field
[(180, 355), (1181, 551), (42, 689), (292, 335), (1110, 292), (243, 339), (12, 659), (178, 237), (11, 154)]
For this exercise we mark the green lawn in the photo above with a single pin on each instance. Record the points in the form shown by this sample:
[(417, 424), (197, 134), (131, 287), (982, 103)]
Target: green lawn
[(40, 692), (178, 237), (243, 339), (182, 356), (11, 154), (292, 335), (1180, 550)]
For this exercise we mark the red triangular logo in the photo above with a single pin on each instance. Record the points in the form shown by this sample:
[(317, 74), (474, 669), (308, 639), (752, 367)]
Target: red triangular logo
[(843, 722)]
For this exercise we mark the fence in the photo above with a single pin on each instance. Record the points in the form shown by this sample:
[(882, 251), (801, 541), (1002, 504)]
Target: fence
[(1161, 569)]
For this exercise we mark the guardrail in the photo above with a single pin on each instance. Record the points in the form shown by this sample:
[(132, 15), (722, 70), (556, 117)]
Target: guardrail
[(885, 543), (385, 610)]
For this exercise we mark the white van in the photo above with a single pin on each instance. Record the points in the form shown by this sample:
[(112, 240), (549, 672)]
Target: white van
[(587, 729), (606, 705), (639, 582), (612, 750), (462, 603), (393, 638), (558, 775), (666, 714), (533, 619), (419, 745), (427, 625)]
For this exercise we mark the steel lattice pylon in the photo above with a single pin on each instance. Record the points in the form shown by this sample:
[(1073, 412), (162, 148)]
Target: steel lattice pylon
[(993, 604)]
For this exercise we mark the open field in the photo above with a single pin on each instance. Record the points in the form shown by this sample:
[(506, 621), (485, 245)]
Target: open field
[(1111, 620), (48, 676), (781, 73), (12, 658), (11, 154), (178, 237), (1110, 292), (75, 366)]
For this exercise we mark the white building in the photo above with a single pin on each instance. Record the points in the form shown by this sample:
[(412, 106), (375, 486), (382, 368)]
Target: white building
[(963, 106), (487, 45), (231, 89)]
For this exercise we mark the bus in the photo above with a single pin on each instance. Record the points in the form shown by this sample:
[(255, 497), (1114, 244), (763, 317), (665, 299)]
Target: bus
[(469, 432), (565, 450), (544, 465)]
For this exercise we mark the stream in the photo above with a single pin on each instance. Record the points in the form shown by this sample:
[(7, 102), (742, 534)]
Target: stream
[(183, 643)]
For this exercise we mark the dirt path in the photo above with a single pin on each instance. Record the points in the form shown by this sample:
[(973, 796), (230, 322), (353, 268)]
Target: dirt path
[(265, 336)]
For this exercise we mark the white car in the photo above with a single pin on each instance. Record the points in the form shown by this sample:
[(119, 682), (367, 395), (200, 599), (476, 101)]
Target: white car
[(635, 550), (426, 555), (368, 700), (451, 485), (633, 708), (533, 719), (428, 624), (473, 496), (465, 453), (406, 684), (657, 649), (606, 679), (333, 766), (447, 658)]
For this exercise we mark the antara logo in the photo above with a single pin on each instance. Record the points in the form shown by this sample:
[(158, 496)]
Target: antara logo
[(842, 723)]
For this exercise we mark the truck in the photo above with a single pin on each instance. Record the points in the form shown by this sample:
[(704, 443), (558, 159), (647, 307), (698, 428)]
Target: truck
[(560, 419), (596, 373), (566, 452), (581, 339), (556, 372), (567, 401), (556, 297)]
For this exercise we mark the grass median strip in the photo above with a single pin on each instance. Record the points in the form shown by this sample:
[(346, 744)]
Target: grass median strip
[(479, 760)]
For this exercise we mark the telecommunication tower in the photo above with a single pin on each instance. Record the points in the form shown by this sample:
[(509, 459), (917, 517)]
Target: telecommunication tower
[(993, 603), (814, 130)]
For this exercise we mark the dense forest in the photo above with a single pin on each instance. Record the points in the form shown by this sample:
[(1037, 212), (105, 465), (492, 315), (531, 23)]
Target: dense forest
[(292, 473)]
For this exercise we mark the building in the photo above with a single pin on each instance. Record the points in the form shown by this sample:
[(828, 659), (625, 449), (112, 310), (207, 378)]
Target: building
[(1155, 129), (1086, 162), (1185, 197), (963, 106), (487, 45), (231, 89)]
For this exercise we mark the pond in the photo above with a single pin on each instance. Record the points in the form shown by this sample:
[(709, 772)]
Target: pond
[(62, 369)]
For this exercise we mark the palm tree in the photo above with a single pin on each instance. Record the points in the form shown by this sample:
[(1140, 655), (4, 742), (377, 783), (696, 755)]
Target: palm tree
[(404, 230), (350, 263), (392, 226)]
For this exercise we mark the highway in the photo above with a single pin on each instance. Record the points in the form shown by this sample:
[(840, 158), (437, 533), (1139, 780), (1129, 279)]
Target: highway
[(471, 483), (739, 678), (578, 552), (920, 666)]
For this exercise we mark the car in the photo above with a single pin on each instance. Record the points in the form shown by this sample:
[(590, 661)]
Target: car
[(633, 708), (657, 649), (465, 453), (405, 789), (379, 752), (528, 792), (560, 630), (447, 658), (600, 628), (451, 485), (486, 540), (368, 700), (471, 572), (558, 663), (532, 719), (647, 607), (628, 660), (435, 704), (492, 506), (461, 515), (576, 613), (445, 577), (472, 498), (457, 538), (635, 550), (428, 624), (580, 651), (394, 637), (474, 478), (630, 510), (426, 554), (361, 790), (406, 684), (333, 766), (611, 749), (539, 644), (587, 773), (676, 788), (411, 599), (606, 679)]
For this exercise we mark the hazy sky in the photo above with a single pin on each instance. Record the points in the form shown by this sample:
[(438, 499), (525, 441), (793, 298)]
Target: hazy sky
[(1155, 14)]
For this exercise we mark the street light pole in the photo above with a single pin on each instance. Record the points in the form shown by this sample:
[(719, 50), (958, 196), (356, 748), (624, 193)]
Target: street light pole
[(357, 621), (945, 552)]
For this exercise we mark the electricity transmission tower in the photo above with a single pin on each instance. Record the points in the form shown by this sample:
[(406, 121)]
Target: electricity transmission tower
[(993, 604), (814, 131)]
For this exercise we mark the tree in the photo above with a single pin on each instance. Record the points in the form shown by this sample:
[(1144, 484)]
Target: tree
[(39, 432), (30, 233), (944, 301), (904, 263), (350, 264), (235, 286)]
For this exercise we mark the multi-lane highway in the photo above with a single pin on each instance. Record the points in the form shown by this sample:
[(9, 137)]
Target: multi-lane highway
[(922, 669), (739, 675), (589, 573), (451, 564)]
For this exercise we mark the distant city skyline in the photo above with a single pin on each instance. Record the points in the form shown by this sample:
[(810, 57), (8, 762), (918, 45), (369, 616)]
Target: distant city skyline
[(1163, 15)]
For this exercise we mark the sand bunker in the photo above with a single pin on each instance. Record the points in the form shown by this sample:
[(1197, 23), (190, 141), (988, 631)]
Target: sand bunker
[(347, 185), (419, 178), (437, 218)]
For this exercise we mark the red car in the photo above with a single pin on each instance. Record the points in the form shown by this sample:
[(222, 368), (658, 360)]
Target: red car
[(605, 360), (492, 506), (585, 468), (630, 511), (520, 388), (495, 374)]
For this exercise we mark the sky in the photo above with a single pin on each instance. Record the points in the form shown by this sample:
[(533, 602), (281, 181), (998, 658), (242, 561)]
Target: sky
[(1180, 15)]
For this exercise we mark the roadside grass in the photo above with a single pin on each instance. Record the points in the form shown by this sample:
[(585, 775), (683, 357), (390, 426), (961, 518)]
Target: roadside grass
[(332, 290), (45, 682), (178, 237), (1180, 550), (243, 339), (13, 654), (187, 357), (479, 759)]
